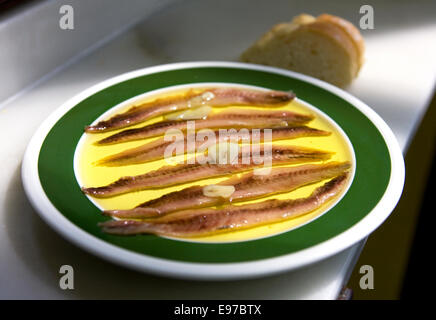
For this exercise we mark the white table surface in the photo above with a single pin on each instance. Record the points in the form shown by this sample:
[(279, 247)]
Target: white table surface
[(397, 81)]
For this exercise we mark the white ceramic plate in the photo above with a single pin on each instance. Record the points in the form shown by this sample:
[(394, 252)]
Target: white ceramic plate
[(50, 184)]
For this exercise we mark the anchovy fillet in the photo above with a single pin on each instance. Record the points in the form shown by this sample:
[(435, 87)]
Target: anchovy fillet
[(155, 150), (182, 173), (222, 120), (248, 187), (200, 222), (215, 97)]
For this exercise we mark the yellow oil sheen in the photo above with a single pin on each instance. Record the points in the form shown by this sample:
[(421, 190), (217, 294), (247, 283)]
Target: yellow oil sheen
[(90, 174)]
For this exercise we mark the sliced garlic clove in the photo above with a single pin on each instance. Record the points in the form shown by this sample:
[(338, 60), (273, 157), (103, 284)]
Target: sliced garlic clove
[(201, 99), (215, 191), (207, 96), (191, 114)]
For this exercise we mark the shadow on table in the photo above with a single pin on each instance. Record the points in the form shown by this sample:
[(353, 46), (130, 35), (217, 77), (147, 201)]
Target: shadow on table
[(224, 29), (43, 252)]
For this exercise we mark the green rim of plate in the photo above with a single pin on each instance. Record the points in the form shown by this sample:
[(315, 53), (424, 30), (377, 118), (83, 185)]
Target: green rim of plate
[(373, 168)]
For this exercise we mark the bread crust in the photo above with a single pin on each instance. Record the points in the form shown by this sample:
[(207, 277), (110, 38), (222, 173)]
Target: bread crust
[(350, 30), (303, 18), (334, 32), (342, 33)]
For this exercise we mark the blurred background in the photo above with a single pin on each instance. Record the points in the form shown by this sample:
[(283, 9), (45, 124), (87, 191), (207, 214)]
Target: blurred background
[(43, 64)]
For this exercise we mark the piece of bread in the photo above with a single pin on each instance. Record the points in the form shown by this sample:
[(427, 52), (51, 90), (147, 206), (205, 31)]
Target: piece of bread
[(352, 32), (327, 47)]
